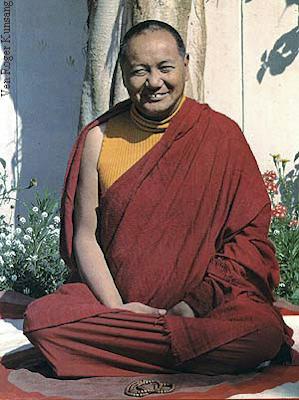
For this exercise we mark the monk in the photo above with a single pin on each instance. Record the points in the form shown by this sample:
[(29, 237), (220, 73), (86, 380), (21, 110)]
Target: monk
[(164, 224)]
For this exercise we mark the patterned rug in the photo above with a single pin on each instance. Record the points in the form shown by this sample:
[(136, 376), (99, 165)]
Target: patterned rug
[(25, 376)]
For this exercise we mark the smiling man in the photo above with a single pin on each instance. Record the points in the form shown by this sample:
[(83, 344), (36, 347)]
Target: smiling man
[(164, 224), (155, 68)]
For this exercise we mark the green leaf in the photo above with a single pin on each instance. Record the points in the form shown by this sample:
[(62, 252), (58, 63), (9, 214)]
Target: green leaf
[(295, 295), (3, 162)]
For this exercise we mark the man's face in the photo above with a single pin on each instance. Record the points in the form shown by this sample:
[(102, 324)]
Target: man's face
[(155, 73)]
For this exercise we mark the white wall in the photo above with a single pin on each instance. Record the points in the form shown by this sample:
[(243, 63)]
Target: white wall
[(238, 35), (41, 112)]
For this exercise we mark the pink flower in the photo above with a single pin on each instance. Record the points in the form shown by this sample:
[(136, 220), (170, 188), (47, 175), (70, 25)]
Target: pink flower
[(271, 187), (294, 223), (279, 211), (269, 176)]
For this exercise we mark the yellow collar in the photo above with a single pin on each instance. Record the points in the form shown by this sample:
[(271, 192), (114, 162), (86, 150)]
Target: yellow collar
[(149, 125)]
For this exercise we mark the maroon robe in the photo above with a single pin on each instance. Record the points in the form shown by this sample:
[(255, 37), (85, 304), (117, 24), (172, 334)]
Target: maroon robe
[(189, 221)]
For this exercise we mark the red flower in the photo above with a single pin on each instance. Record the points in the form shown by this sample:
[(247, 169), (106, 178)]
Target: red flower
[(271, 187), (279, 211), (269, 176)]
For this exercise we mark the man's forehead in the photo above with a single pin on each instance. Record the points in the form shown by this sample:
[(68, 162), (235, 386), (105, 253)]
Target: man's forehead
[(160, 36), (155, 46)]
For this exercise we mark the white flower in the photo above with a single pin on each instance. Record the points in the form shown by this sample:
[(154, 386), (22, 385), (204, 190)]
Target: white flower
[(11, 266), (22, 248), (18, 231), (14, 278), (26, 290), (2, 235), (10, 236), (17, 242), (62, 262), (44, 214), (35, 209), (51, 227), (1, 261), (22, 220), (8, 242), (56, 219), (56, 232), (27, 238), (1, 245), (12, 253), (34, 257), (2, 279), (282, 285), (276, 232), (29, 230)]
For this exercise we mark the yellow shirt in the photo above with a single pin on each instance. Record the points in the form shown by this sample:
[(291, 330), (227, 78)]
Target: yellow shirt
[(127, 138)]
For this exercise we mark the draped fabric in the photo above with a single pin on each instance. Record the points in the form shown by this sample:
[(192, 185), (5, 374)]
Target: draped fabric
[(188, 221)]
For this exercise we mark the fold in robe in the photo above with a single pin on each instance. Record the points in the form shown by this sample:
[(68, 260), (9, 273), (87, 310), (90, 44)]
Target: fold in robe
[(189, 221)]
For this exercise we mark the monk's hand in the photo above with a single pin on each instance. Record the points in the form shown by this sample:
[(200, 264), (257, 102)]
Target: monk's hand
[(143, 309), (181, 309)]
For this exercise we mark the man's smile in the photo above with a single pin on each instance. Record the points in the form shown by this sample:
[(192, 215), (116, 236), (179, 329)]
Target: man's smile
[(154, 97)]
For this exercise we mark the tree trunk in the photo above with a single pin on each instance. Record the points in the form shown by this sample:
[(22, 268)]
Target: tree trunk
[(107, 23), (104, 34)]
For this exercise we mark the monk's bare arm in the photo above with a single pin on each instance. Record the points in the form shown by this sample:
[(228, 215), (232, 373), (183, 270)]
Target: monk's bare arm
[(89, 256)]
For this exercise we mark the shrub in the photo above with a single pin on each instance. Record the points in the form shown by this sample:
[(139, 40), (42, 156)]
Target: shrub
[(30, 262), (284, 229)]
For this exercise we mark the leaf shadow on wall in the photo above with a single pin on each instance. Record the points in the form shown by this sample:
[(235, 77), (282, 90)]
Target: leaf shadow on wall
[(283, 53), (288, 2)]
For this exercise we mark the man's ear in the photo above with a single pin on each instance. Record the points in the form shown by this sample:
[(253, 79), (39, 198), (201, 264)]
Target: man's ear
[(186, 65)]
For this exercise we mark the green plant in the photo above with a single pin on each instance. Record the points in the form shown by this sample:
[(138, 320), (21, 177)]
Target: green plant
[(30, 262), (8, 191), (284, 229)]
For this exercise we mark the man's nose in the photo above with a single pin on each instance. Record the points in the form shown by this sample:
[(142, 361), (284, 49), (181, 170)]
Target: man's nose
[(154, 80)]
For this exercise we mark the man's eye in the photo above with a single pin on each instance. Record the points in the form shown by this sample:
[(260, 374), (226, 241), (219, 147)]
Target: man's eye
[(166, 68), (139, 72)]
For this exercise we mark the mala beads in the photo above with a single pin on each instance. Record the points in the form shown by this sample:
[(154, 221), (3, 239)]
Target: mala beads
[(144, 387)]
